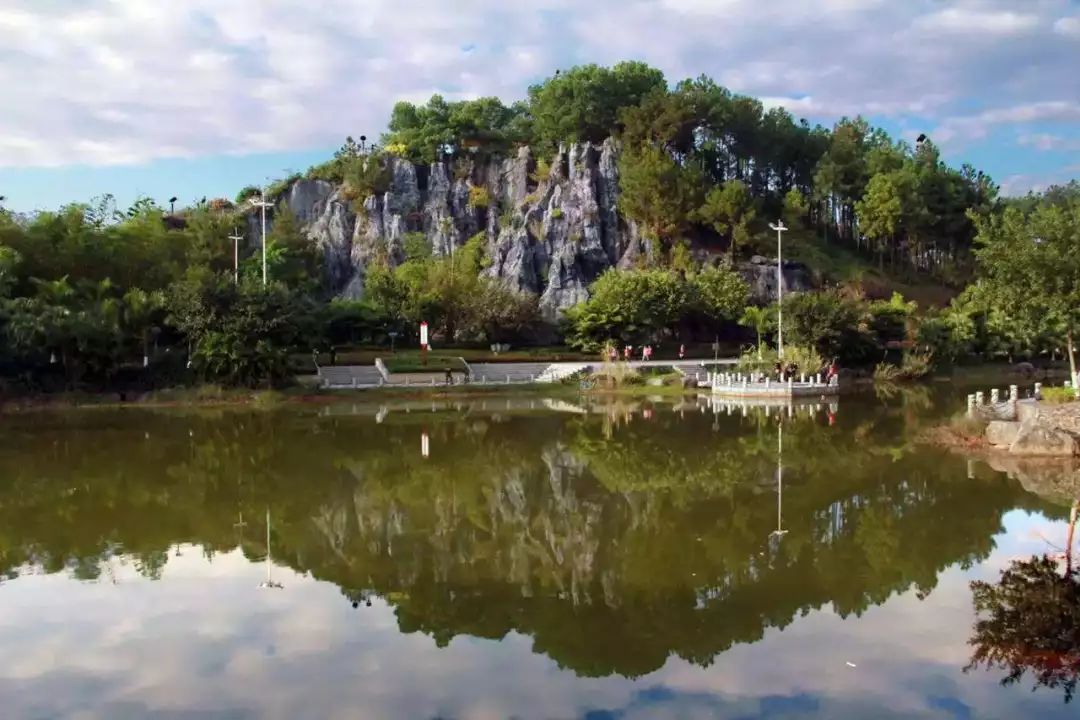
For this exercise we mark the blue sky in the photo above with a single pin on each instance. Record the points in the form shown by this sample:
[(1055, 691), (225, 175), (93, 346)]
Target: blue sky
[(140, 98)]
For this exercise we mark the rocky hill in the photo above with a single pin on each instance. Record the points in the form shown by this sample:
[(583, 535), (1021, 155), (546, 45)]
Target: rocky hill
[(550, 232)]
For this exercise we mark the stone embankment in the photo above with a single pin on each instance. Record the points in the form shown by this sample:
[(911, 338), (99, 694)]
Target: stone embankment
[(1029, 428)]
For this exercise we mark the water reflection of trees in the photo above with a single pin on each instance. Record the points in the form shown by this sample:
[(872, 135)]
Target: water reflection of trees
[(1029, 621), (613, 546)]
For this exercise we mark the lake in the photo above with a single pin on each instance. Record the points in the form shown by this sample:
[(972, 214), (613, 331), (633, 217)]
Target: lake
[(504, 557)]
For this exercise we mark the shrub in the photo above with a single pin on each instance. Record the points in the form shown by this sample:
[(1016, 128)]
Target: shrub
[(886, 372), (542, 171), (267, 399), (557, 213), (209, 392), (279, 187), (530, 199), (248, 192), (917, 365), (1058, 395), (364, 176), (970, 427), (479, 197), (763, 359)]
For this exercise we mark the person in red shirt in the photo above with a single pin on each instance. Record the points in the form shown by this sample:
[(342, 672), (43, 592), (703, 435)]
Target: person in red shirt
[(628, 352)]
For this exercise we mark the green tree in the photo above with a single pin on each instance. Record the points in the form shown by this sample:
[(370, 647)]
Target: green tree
[(291, 257), (719, 294), (729, 210), (1029, 265), (761, 319), (631, 306), (796, 208), (658, 192), (829, 322), (583, 103), (241, 334)]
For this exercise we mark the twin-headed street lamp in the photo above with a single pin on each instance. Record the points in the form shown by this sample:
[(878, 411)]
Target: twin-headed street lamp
[(236, 237), (780, 229), (262, 205)]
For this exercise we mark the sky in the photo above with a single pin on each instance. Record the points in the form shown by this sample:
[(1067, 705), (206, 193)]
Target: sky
[(199, 98)]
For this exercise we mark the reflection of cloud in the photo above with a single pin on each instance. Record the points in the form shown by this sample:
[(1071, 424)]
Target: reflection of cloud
[(205, 640)]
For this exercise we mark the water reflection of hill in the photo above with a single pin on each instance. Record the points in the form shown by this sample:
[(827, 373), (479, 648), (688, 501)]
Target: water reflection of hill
[(614, 541)]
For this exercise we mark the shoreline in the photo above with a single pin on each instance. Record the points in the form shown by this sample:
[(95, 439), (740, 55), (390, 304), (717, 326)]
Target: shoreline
[(268, 399), (214, 396)]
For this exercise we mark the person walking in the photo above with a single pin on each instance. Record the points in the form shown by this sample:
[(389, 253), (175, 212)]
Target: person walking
[(832, 372), (682, 351), (628, 352)]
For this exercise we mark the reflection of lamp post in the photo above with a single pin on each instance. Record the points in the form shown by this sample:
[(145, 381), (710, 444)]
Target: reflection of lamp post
[(269, 584), (393, 336), (779, 532)]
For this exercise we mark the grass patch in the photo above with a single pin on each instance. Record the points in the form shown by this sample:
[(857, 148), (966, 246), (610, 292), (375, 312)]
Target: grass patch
[(366, 355), (265, 399), (1058, 395), (415, 365)]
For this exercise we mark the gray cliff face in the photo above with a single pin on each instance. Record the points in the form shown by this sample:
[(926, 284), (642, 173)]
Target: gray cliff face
[(760, 275), (550, 236)]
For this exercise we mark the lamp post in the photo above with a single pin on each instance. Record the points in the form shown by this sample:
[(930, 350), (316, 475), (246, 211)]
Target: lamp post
[(236, 237), (262, 204), (779, 228), (172, 205)]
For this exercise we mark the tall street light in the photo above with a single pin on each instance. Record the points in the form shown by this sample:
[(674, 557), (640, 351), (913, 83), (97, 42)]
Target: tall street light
[(236, 237), (262, 204), (780, 229)]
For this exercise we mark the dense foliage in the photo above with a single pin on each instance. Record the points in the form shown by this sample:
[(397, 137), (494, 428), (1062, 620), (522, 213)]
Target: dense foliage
[(89, 293), (699, 159), (647, 305)]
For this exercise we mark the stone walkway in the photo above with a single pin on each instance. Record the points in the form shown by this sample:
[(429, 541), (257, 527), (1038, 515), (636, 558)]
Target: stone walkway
[(367, 376)]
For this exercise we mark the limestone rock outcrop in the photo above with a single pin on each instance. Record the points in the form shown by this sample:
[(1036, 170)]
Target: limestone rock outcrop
[(549, 230)]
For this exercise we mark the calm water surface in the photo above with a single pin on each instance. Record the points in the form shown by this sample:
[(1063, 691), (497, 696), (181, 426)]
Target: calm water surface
[(503, 558)]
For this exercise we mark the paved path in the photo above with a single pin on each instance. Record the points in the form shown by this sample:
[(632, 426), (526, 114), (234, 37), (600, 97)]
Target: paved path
[(491, 373)]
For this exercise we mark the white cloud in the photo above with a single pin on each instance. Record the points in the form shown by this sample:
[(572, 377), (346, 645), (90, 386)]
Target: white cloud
[(1048, 141), (1068, 26), (966, 21), (121, 81), (1023, 183), (974, 127)]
